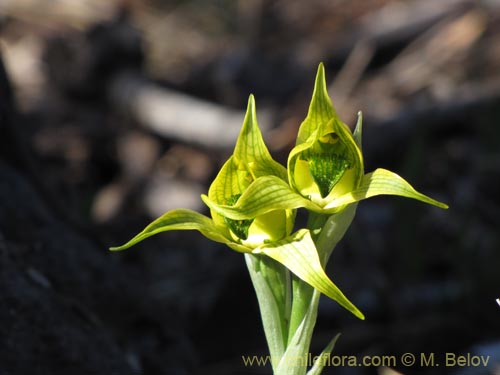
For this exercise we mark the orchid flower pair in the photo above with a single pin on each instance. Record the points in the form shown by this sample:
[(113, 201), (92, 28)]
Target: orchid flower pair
[(253, 201)]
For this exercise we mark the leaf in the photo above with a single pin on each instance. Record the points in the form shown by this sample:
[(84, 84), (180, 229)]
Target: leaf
[(298, 253), (319, 364), (182, 219), (381, 182)]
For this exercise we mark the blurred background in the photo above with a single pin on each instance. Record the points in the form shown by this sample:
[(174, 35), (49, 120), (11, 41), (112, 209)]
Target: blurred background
[(113, 112)]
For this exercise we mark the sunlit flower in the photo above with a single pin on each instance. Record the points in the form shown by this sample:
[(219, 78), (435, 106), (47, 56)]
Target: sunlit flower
[(267, 233), (249, 161), (325, 169), (253, 198)]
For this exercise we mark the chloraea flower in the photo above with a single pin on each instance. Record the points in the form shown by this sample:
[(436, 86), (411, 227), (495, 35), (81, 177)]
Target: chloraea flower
[(325, 169), (325, 175), (267, 233)]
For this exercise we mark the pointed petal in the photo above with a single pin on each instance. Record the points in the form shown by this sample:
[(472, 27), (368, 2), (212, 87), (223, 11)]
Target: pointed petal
[(230, 181), (328, 170), (182, 219), (265, 194), (250, 160), (298, 253), (320, 110), (251, 150), (381, 182)]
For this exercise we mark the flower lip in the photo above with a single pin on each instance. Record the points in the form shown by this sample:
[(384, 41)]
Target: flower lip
[(328, 160), (239, 228), (327, 165), (269, 227)]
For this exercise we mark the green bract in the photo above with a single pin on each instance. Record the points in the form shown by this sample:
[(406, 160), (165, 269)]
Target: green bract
[(265, 233)]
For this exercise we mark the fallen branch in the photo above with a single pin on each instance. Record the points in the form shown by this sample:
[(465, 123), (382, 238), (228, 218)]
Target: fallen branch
[(175, 115), (396, 24)]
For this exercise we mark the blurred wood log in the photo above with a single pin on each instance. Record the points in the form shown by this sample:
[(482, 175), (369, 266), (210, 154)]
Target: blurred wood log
[(174, 115), (434, 69), (102, 59), (442, 46), (398, 23), (76, 14), (9, 145)]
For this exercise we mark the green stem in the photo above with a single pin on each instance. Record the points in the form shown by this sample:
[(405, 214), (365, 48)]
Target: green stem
[(302, 294), (326, 232), (271, 282), (296, 357), (288, 305), (302, 291)]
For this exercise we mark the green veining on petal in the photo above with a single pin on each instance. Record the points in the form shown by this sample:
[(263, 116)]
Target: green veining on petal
[(238, 227), (327, 160)]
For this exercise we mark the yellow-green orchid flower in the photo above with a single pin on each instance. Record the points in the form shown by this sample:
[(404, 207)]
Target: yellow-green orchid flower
[(267, 233), (325, 169), (252, 205), (250, 160)]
